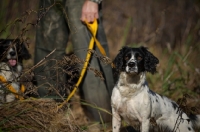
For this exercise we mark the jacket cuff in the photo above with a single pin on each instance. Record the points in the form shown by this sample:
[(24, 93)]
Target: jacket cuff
[(96, 1)]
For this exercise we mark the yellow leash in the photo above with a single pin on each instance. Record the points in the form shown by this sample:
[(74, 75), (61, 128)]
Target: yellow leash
[(93, 29), (11, 88)]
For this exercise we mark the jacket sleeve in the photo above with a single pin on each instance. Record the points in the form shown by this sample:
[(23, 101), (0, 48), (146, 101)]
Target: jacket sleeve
[(96, 1)]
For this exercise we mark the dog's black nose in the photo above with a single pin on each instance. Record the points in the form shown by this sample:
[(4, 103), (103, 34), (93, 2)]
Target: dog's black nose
[(131, 64), (12, 53)]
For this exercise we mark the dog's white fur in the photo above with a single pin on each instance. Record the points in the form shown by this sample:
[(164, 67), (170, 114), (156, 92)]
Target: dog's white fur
[(12, 79), (133, 101)]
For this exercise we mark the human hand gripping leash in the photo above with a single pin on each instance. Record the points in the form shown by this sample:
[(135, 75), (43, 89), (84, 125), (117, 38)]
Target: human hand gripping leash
[(93, 29)]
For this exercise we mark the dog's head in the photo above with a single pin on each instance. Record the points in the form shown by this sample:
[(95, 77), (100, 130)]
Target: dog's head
[(135, 60), (13, 51)]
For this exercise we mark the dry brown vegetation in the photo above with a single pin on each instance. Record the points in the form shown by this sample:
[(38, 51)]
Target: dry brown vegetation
[(34, 115), (169, 28)]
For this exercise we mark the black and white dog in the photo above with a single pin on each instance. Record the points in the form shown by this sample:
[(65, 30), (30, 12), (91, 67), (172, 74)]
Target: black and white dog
[(12, 53), (132, 100)]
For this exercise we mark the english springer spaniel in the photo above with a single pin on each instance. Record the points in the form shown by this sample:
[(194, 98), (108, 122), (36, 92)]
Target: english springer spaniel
[(132, 100), (12, 53)]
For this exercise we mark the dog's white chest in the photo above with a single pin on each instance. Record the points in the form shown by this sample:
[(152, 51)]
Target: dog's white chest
[(129, 107), (127, 111)]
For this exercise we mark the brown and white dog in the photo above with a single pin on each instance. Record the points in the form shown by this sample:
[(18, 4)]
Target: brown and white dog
[(133, 101), (12, 53)]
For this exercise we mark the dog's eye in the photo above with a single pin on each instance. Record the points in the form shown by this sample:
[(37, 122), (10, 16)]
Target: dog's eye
[(139, 58), (126, 58)]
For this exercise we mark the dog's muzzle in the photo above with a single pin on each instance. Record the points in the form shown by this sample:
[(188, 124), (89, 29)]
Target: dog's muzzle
[(12, 53), (131, 64), (132, 67), (12, 56)]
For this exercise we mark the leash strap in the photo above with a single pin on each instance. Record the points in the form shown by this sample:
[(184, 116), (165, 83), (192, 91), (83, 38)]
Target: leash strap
[(93, 29)]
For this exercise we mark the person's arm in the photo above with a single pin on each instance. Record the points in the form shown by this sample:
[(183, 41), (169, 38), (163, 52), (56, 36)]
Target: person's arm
[(90, 10)]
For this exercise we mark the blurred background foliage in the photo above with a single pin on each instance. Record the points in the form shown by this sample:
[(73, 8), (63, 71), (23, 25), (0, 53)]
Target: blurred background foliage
[(169, 28)]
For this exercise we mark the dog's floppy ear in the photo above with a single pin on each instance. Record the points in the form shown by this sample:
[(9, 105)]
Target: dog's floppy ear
[(23, 51), (150, 61), (118, 61), (2, 52)]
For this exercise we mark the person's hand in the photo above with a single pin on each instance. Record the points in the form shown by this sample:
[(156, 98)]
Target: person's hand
[(89, 11)]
